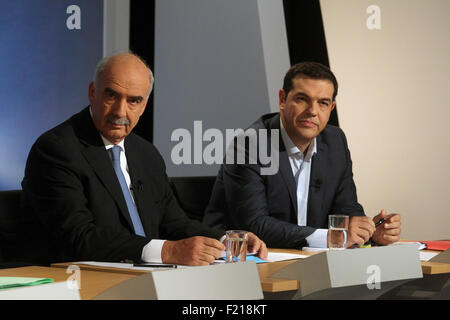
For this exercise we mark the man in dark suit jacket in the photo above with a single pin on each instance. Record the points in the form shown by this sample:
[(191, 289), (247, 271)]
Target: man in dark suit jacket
[(289, 209), (74, 195)]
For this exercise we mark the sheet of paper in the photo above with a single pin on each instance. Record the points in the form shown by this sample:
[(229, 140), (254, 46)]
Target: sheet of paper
[(279, 256), (420, 246), (311, 249), (271, 257), (250, 257), (107, 264), (426, 256)]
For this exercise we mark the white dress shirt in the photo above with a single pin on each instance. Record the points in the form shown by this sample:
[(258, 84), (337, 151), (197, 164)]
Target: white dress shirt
[(301, 169), (152, 250)]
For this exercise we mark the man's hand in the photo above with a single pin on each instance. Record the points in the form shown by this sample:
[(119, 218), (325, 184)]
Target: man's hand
[(255, 244), (389, 231), (195, 251), (360, 230)]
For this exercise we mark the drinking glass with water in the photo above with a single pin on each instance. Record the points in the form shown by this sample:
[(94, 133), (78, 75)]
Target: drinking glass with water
[(236, 245), (337, 231)]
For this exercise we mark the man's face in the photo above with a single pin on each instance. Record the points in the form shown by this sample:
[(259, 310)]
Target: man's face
[(306, 109), (120, 97)]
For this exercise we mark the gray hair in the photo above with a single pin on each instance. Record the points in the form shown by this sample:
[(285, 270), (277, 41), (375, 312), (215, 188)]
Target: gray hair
[(101, 65)]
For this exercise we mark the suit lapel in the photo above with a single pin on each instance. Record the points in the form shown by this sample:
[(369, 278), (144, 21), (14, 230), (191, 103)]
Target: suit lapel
[(142, 192), (285, 167), (98, 158)]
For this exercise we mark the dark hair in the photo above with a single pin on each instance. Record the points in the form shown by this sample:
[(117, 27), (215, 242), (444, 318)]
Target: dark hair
[(312, 70)]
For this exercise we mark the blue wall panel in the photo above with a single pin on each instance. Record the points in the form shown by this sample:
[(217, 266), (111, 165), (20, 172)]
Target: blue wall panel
[(45, 69)]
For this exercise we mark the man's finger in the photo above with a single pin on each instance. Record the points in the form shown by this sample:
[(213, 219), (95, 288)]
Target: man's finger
[(392, 232), (380, 216), (262, 252), (363, 234), (369, 227), (364, 222), (391, 238), (210, 242), (209, 259), (393, 217), (259, 247), (210, 250), (362, 228), (254, 245), (355, 240), (393, 225)]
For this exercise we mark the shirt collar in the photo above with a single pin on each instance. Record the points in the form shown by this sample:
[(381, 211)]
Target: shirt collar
[(109, 144), (292, 148)]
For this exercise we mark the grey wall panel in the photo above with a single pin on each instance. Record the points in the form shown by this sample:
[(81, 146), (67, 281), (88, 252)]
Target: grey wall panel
[(116, 26), (209, 66)]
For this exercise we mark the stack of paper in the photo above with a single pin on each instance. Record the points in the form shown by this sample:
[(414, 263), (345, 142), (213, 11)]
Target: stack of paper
[(419, 245)]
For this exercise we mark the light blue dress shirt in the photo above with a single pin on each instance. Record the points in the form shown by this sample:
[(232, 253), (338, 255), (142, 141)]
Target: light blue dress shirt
[(301, 169)]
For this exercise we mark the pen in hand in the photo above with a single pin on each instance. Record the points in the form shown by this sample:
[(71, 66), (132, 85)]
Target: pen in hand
[(379, 223)]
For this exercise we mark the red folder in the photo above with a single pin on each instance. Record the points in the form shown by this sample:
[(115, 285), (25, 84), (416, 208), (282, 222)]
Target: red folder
[(441, 245)]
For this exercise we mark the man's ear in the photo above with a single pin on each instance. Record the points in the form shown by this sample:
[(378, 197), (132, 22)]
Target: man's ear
[(333, 105), (91, 93), (281, 99)]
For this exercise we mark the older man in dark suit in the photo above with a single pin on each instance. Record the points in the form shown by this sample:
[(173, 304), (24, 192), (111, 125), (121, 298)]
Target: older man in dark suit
[(96, 191), (290, 208)]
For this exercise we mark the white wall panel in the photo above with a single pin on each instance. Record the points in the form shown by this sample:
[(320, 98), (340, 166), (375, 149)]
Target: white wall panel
[(394, 108)]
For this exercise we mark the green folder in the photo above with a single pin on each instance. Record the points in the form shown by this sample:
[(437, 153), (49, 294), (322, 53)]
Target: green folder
[(13, 282)]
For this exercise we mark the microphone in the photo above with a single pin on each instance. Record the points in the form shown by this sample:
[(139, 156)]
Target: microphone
[(317, 183), (138, 187)]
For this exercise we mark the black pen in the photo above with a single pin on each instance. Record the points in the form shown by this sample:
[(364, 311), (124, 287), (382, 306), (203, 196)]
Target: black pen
[(379, 222), (154, 265)]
